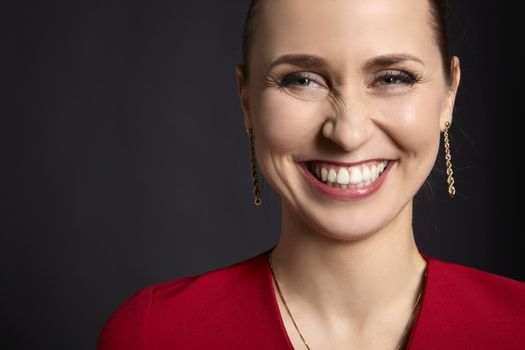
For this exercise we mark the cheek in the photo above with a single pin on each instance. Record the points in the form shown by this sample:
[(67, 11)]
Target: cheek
[(412, 121), (284, 124)]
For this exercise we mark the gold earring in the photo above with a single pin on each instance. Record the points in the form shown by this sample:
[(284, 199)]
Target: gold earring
[(255, 183), (448, 162)]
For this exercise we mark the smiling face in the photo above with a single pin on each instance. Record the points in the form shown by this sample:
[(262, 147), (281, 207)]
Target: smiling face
[(346, 99)]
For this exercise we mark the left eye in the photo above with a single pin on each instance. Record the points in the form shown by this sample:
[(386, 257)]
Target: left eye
[(395, 78)]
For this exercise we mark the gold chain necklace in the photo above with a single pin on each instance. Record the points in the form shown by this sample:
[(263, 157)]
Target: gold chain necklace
[(403, 336)]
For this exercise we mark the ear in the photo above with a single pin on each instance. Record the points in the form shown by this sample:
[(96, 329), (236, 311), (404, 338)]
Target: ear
[(455, 77), (243, 95)]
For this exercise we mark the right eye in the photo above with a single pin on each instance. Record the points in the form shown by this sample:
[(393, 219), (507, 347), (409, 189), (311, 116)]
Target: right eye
[(305, 85)]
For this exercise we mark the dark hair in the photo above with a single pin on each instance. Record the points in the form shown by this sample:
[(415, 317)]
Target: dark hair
[(438, 12)]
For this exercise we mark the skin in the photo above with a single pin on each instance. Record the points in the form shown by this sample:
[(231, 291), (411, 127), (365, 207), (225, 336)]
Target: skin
[(349, 269)]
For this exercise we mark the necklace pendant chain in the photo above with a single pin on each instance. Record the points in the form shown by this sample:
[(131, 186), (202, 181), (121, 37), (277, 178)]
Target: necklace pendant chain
[(399, 345)]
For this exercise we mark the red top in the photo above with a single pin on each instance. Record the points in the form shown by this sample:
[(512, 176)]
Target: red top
[(236, 308)]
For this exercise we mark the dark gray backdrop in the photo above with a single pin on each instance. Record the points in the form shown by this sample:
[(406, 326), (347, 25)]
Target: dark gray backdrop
[(124, 160)]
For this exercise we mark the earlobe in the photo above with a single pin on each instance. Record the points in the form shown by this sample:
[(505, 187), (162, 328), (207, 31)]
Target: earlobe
[(243, 95)]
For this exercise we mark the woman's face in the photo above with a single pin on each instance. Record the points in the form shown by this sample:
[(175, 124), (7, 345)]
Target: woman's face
[(346, 99)]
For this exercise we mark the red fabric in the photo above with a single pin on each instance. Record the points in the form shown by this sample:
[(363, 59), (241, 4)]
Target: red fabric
[(235, 308)]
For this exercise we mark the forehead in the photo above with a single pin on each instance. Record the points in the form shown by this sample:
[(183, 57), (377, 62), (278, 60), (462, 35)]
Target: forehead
[(344, 29)]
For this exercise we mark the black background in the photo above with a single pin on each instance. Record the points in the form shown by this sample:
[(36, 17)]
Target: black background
[(125, 162)]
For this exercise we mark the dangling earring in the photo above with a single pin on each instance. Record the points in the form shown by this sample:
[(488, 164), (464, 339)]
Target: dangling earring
[(255, 183), (448, 162)]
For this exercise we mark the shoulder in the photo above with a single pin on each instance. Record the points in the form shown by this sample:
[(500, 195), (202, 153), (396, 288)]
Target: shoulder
[(166, 307), (463, 307), (494, 289), (125, 328)]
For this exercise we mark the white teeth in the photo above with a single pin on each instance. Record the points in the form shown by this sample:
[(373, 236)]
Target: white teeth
[(367, 175), (373, 172), (343, 177), (355, 176), (324, 174), (381, 166), (332, 176)]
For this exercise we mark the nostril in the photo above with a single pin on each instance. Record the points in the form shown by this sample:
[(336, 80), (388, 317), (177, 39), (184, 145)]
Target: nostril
[(349, 133)]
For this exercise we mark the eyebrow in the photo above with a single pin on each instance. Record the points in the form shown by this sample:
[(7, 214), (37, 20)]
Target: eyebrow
[(384, 61), (298, 60), (311, 61)]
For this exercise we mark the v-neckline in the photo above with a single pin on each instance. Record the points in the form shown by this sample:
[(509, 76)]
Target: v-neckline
[(279, 320)]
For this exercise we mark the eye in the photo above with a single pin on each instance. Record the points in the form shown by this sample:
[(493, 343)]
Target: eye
[(394, 79), (305, 85)]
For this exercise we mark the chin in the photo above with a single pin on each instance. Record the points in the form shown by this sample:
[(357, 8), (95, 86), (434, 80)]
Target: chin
[(347, 224)]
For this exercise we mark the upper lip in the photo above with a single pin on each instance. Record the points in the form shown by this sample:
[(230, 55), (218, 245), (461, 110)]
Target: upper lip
[(345, 164)]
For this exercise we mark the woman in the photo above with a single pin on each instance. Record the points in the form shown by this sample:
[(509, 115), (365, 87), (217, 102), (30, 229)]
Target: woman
[(344, 102)]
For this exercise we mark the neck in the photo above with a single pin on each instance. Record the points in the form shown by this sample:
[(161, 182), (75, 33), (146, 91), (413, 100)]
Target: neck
[(352, 280)]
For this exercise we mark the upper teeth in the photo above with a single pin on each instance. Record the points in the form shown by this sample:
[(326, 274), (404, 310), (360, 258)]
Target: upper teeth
[(354, 175)]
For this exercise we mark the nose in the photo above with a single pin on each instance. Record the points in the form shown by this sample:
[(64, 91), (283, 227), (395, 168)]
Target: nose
[(349, 125)]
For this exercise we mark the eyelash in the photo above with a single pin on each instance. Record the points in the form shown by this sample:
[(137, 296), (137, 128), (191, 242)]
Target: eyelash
[(402, 76), (286, 80)]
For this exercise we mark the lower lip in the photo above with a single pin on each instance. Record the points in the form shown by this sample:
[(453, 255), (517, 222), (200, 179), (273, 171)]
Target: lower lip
[(345, 194)]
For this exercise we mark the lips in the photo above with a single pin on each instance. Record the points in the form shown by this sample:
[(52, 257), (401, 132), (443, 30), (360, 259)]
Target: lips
[(344, 176), (346, 182)]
